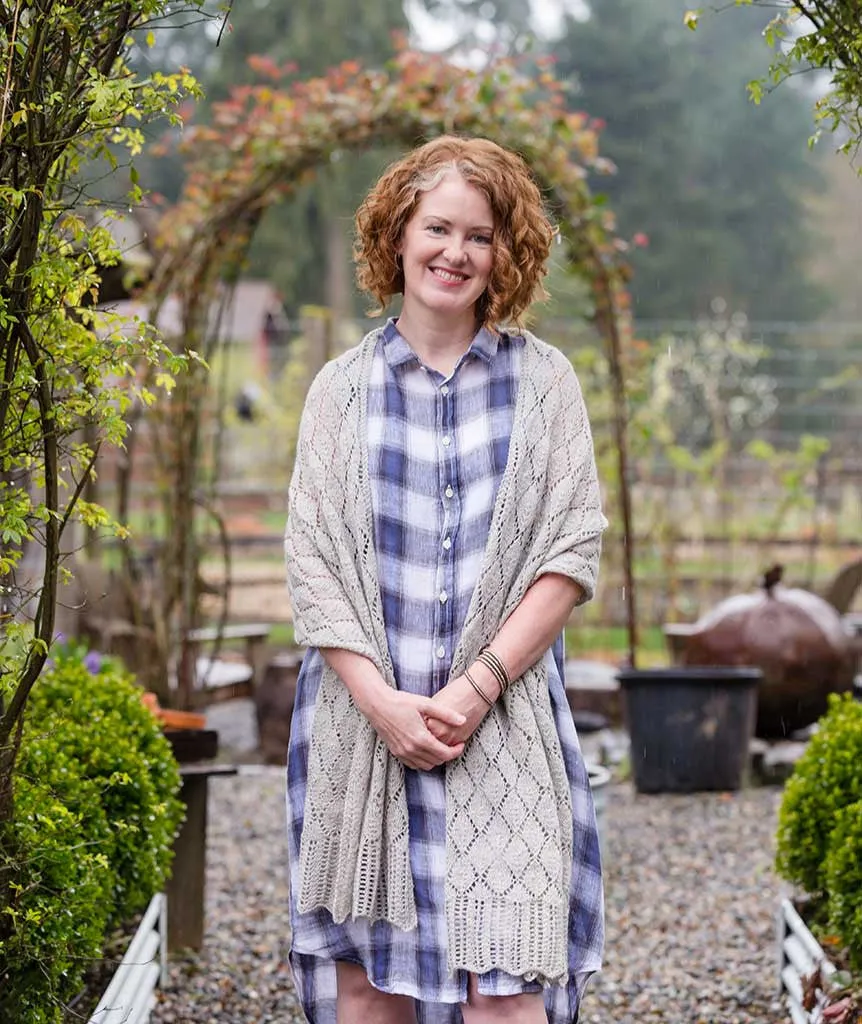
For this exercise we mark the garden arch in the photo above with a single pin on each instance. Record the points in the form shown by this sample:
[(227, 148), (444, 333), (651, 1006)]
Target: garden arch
[(266, 139)]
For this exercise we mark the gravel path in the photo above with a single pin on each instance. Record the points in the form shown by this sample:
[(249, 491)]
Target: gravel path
[(690, 903), (690, 908)]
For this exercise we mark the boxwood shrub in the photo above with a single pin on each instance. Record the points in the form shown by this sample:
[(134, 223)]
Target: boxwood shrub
[(844, 880), (95, 811), (826, 780)]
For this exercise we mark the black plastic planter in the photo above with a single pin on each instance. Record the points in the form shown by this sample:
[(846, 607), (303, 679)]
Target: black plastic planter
[(690, 728)]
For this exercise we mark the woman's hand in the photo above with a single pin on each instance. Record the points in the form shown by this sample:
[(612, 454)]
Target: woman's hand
[(400, 719), (406, 723), (460, 696)]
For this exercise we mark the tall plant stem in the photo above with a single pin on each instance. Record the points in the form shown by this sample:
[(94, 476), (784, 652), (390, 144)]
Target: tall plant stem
[(608, 322)]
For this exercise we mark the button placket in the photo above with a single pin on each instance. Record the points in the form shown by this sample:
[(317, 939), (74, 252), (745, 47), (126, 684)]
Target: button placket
[(451, 511)]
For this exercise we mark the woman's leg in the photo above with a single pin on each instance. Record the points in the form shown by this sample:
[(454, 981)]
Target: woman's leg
[(359, 1001), (523, 1009)]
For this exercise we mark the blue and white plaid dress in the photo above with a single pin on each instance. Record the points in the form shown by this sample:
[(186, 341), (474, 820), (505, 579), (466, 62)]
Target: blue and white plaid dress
[(437, 449)]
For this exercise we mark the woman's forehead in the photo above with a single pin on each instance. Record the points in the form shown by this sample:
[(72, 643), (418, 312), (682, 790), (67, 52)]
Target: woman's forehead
[(452, 194)]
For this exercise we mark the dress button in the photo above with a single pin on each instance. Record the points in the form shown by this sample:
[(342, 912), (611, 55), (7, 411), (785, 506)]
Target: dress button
[(441, 651), (447, 543), (444, 390), (449, 491), (446, 441), (444, 597)]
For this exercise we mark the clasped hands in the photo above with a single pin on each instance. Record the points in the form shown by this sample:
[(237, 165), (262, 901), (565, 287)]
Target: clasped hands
[(424, 732)]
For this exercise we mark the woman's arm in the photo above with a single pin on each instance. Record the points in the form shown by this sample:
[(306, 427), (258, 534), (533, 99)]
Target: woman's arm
[(401, 720), (536, 622), (523, 639)]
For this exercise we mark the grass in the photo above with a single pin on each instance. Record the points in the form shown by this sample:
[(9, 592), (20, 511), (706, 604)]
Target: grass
[(610, 644), (281, 635), (602, 643)]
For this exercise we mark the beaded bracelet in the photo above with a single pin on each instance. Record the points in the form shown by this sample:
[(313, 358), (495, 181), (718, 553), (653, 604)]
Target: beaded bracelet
[(478, 688), (494, 663)]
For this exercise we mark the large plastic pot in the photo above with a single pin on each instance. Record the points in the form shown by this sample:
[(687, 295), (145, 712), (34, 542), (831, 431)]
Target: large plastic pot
[(690, 728), (600, 778)]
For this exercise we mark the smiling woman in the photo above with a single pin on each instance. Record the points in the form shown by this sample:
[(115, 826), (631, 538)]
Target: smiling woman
[(446, 256), (444, 521), (459, 229)]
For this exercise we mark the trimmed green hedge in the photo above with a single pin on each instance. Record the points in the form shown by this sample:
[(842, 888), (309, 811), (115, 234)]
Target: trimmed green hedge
[(844, 880), (95, 811), (820, 821)]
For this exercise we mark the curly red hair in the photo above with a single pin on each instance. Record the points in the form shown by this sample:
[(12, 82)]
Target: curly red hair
[(522, 231)]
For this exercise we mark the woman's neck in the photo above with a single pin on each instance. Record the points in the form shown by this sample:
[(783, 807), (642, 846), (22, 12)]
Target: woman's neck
[(438, 345)]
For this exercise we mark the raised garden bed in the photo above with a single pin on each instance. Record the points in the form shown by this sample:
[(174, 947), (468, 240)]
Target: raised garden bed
[(131, 992), (816, 989), (800, 957)]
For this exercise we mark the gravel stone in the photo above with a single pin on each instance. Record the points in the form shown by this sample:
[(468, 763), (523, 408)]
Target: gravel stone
[(691, 899)]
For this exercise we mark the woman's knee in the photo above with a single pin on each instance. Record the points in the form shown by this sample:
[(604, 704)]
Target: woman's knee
[(359, 1000), (526, 1008)]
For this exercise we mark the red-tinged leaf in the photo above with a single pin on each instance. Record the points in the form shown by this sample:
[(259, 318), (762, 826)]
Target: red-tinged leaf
[(842, 1012)]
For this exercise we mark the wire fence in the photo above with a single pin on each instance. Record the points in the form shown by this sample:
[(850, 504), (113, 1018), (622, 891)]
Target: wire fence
[(744, 451)]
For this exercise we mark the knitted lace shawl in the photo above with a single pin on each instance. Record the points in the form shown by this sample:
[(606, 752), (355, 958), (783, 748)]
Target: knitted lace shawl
[(508, 803)]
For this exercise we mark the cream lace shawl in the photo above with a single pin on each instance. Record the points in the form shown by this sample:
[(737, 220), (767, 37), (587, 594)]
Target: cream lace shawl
[(508, 805)]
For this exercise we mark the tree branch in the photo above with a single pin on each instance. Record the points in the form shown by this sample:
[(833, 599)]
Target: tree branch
[(43, 626)]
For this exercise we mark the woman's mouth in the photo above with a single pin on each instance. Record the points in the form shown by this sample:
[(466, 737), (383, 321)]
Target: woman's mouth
[(449, 276)]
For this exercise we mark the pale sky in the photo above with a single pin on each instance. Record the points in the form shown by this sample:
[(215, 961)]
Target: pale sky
[(435, 34)]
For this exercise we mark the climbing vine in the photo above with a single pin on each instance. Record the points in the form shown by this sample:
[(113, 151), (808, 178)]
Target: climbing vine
[(269, 138)]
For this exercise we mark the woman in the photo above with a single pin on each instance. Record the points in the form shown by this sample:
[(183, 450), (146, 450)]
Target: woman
[(444, 522)]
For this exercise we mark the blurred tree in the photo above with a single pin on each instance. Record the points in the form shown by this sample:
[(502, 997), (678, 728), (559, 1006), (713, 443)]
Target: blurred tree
[(817, 36), (499, 26), (303, 246), (717, 184), (838, 213)]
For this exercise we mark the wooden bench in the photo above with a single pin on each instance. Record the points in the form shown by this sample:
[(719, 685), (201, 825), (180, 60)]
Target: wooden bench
[(186, 888), (221, 678)]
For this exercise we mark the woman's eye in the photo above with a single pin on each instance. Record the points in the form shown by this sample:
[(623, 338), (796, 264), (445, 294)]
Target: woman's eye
[(436, 229), (482, 239)]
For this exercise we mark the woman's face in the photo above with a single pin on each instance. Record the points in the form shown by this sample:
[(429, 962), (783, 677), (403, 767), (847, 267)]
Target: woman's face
[(446, 252)]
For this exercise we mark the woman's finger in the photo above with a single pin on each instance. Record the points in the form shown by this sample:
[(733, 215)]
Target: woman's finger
[(429, 752), (423, 764), (438, 710), (444, 733)]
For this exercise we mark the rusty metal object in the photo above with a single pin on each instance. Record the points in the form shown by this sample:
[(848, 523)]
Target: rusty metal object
[(795, 637)]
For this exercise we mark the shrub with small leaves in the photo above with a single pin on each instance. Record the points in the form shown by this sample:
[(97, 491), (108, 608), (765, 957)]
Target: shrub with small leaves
[(843, 871), (95, 812), (93, 708), (826, 780), (60, 884)]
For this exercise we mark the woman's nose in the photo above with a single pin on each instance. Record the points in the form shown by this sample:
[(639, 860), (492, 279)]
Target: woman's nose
[(454, 251)]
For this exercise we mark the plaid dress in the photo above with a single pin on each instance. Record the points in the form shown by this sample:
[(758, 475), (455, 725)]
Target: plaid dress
[(437, 448)]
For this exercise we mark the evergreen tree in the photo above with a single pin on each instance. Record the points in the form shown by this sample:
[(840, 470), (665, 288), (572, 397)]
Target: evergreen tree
[(716, 183), (303, 245)]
